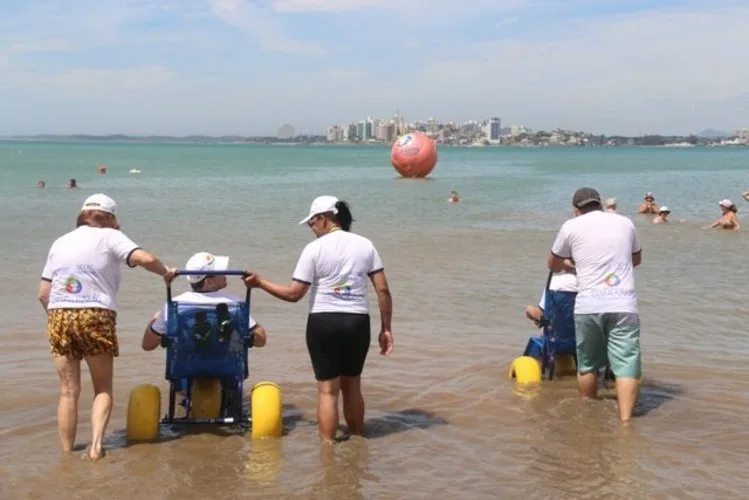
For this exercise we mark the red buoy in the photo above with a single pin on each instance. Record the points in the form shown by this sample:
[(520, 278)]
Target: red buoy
[(414, 155)]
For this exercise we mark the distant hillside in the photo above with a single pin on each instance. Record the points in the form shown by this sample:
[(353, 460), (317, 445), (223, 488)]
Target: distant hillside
[(713, 134)]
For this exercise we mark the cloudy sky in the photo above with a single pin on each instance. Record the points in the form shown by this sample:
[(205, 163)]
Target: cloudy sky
[(247, 66)]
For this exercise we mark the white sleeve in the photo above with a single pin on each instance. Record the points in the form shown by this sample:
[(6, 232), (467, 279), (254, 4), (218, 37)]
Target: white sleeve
[(49, 266), (252, 323), (636, 246), (121, 246), (375, 263), (305, 267), (159, 324), (561, 247), (542, 302)]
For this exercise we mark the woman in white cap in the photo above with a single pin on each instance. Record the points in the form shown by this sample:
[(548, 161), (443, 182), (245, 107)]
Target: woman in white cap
[(337, 266), (78, 291), (610, 205), (728, 219)]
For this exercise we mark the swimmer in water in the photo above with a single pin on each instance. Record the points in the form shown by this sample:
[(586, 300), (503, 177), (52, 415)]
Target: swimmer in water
[(41, 184), (728, 219), (610, 205), (648, 205), (662, 216), (454, 198), (746, 196), (72, 184)]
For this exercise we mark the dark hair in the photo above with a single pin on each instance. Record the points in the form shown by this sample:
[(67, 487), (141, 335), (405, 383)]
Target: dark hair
[(343, 217), (96, 218), (198, 287), (590, 207), (734, 209)]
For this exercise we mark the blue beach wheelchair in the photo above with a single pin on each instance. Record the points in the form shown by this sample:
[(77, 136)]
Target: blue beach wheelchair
[(207, 350), (556, 344)]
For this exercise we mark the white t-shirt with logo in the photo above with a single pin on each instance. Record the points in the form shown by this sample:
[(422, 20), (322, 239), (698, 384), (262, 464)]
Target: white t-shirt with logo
[(601, 244), (560, 282), (337, 266), (196, 298), (83, 267)]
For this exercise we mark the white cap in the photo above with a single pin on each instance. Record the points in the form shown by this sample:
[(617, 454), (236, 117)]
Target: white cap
[(664, 208), (100, 202), (610, 202), (725, 203), (321, 205), (204, 261)]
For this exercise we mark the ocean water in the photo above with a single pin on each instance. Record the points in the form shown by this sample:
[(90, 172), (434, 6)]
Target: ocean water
[(443, 417)]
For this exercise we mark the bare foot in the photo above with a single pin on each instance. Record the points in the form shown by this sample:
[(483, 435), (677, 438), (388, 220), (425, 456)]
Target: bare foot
[(93, 455)]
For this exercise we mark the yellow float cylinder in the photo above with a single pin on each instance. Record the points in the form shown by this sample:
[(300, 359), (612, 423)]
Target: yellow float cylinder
[(526, 370), (267, 410), (143, 411)]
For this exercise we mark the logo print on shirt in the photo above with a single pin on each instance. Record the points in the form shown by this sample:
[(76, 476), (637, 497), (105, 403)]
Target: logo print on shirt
[(612, 279), (342, 288), (72, 285)]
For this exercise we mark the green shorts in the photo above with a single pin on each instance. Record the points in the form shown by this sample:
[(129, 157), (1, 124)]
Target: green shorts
[(609, 339)]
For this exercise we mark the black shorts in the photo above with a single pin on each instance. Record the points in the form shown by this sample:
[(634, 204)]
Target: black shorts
[(337, 343)]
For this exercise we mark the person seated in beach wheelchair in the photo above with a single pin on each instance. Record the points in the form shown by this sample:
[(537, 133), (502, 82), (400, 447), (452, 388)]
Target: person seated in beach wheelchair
[(555, 349), (207, 333)]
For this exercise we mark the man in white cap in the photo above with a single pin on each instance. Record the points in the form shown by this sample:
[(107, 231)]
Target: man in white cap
[(606, 249), (206, 290)]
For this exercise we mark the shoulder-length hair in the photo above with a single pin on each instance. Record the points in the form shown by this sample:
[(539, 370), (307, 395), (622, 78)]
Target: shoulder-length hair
[(97, 218)]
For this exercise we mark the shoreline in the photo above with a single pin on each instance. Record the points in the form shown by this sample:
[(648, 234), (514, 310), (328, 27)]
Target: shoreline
[(208, 141)]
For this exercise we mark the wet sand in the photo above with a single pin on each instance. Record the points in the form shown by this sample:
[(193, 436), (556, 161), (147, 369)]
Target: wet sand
[(443, 420)]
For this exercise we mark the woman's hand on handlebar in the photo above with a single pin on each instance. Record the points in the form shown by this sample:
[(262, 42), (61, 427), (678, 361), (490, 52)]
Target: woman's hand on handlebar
[(171, 273), (251, 280)]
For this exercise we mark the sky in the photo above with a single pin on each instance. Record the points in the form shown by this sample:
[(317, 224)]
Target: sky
[(215, 67)]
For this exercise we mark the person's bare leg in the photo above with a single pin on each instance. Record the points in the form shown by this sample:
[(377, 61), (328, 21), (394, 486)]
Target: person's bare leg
[(626, 395), (69, 372), (353, 404), (101, 368), (587, 384), (327, 407)]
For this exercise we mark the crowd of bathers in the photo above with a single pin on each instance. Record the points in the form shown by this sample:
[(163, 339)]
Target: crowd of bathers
[(728, 218)]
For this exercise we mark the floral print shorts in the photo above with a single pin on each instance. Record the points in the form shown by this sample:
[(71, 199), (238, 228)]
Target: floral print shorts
[(79, 333)]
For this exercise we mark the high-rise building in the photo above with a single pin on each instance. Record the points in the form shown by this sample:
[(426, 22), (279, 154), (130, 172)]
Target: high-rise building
[(493, 129)]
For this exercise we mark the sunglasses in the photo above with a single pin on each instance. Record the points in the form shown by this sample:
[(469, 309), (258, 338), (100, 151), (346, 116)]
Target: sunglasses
[(312, 221)]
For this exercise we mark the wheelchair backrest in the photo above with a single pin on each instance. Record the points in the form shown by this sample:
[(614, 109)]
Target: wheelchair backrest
[(197, 347), (559, 313), (186, 320)]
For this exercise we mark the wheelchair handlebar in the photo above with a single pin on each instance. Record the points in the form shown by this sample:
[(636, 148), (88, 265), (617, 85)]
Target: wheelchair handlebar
[(228, 272)]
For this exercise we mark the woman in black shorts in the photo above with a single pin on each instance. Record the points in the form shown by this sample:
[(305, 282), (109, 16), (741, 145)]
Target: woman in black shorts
[(337, 266)]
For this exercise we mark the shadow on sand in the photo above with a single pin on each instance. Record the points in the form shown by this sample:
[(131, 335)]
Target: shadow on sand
[(292, 417), (401, 421), (653, 395)]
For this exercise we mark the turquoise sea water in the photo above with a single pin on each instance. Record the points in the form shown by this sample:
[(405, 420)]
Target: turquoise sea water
[(501, 186), (445, 420)]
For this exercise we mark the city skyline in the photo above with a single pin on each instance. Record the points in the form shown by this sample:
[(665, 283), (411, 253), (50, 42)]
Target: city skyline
[(226, 67)]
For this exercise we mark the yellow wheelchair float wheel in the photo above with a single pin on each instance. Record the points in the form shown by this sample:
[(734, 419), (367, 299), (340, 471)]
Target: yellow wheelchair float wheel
[(267, 410), (143, 413), (205, 398), (565, 365), (526, 370)]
